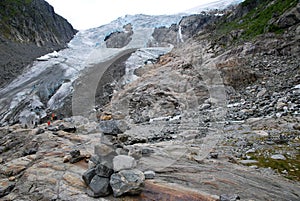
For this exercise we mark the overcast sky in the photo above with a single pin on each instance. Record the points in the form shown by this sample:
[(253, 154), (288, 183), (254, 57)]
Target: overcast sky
[(83, 14)]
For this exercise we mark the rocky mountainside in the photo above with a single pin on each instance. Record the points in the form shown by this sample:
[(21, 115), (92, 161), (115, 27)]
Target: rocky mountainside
[(200, 107), (28, 30)]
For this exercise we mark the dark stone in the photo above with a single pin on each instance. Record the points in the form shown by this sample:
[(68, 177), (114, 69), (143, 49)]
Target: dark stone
[(29, 151), (88, 176), (68, 129), (113, 127), (77, 159), (75, 153), (104, 171), (2, 149), (213, 155), (109, 127), (40, 131), (99, 187)]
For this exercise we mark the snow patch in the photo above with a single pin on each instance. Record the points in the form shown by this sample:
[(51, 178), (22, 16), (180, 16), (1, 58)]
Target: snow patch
[(48, 56)]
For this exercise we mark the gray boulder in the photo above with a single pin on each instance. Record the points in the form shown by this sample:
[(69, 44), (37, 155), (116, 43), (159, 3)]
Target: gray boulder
[(127, 182), (113, 127), (88, 176), (123, 162), (103, 171), (99, 187), (97, 179)]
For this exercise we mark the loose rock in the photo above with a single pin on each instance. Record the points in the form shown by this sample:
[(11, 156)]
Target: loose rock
[(123, 162), (149, 174), (88, 176), (104, 171), (127, 182), (99, 187), (112, 127), (278, 157)]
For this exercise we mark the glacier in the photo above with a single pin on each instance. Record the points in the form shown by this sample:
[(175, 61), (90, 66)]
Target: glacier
[(45, 84), (50, 79)]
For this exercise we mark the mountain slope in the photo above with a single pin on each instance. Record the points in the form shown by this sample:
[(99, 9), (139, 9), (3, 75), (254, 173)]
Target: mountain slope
[(214, 113), (28, 29)]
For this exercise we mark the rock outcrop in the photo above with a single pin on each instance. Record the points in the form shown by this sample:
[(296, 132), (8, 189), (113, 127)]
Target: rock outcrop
[(119, 39), (185, 29)]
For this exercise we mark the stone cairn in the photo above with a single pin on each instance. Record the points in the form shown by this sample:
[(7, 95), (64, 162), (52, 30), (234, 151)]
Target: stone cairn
[(112, 173)]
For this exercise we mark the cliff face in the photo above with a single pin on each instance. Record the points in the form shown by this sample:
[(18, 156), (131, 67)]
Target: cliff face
[(28, 29)]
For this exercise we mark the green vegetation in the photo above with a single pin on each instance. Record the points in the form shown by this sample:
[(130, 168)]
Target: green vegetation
[(10, 8), (257, 20), (289, 168)]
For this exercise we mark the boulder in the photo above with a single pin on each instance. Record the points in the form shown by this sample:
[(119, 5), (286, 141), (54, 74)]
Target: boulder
[(88, 176), (127, 182), (97, 179), (103, 171), (99, 187), (113, 127), (123, 162)]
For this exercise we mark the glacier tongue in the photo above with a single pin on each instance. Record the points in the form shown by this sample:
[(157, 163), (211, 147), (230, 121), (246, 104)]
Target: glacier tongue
[(51, 77)]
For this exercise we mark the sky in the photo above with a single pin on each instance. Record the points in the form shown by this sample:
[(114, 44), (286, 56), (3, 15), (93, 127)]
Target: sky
[(84, 14)]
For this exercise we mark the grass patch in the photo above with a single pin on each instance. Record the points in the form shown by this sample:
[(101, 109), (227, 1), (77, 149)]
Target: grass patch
[(257, 20), (291, 165)]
